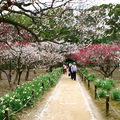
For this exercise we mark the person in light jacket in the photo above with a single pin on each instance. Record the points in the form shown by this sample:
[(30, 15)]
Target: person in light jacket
[(73, 71)]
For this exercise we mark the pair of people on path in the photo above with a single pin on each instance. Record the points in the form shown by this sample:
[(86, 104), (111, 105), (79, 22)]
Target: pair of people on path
[(73, 70)]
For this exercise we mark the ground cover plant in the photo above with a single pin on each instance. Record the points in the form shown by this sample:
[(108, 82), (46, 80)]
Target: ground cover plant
[(112, 88), (115, 94), (91, 77), (84, 71), (22, 96)]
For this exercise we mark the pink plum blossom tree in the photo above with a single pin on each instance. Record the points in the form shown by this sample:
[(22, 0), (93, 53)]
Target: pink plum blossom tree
[(9, 33), (105, 57)]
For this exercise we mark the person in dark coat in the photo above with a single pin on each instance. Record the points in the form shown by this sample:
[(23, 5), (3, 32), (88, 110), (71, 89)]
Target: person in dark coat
[(70, 64)]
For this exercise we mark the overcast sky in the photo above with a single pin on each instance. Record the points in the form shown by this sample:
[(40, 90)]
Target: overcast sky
[(99, 2), (89, 3), (109, 1), (105, 1), (94, 1), (77, 4)]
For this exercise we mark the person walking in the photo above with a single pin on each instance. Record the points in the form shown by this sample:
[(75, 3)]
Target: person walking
[(73, 71), (69, 69), (64, 69)]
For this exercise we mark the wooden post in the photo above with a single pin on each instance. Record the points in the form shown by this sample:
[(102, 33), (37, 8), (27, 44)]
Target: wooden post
[(33, 94), (95, 91), (107, 104), (7, 114), (43, 85), (80, 73), (49, 79), (84, 78), (88, 84)]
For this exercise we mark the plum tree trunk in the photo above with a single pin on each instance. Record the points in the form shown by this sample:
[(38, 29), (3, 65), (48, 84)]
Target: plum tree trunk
[(27, 74), (0, 75)]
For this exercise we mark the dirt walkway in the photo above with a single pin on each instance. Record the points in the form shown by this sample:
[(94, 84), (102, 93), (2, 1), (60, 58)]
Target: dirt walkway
[(67, 101)]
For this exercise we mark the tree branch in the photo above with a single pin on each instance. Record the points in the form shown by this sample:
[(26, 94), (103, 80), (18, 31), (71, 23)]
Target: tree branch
[(17, 24)]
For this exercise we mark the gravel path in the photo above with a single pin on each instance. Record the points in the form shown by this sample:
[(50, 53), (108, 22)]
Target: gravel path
[(69, 100)]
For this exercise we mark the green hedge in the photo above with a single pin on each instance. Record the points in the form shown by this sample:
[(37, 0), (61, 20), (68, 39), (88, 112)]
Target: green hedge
[(14, 101)]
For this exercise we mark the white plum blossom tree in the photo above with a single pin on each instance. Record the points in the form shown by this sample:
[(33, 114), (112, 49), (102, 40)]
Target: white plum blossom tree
[(18, 56)]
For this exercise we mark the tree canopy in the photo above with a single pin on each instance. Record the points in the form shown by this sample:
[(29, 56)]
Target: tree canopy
[(103, 58), (101, 24), (43, 21)]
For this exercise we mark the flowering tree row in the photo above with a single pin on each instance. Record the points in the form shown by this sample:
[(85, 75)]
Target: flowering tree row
[(16, 56), (20, 56), (103, 58)]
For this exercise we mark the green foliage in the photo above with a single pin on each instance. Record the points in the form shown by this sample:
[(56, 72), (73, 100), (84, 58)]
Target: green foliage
[(110, 13), (22, 96), (110, 81), (84, 71), (114, 15), (98, 83), (115, 94), (21, 19), (102, 93), (7, 65), (106, 39), (91, 77), (105, 84)]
